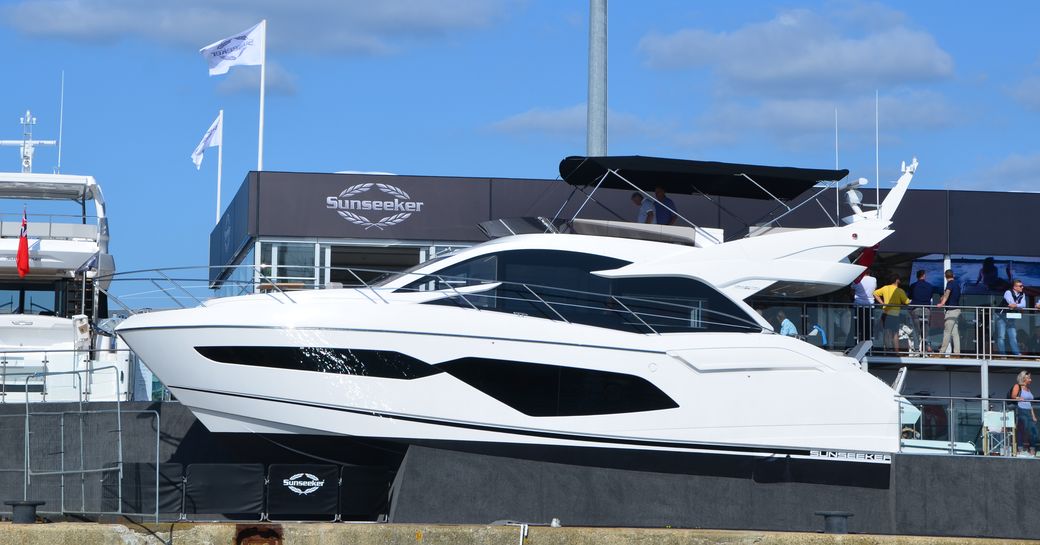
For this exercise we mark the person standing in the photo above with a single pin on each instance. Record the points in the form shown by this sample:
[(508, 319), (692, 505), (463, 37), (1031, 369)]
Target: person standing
[(893, 298), (863, 301), (1006, 319), (951, 297), (921, 300), (1025, 416), (664, 208), (646, 208)]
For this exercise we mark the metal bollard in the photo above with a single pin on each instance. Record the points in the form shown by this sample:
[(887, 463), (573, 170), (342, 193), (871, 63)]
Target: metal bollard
[(24, 511), (835, 522)]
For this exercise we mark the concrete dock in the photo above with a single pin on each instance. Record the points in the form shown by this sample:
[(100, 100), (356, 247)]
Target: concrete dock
[(408, 534)]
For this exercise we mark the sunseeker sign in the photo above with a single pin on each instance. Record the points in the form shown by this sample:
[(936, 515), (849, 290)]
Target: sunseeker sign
[(351, 205)]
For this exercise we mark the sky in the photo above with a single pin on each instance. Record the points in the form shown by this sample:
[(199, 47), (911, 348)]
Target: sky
[(497, 88)]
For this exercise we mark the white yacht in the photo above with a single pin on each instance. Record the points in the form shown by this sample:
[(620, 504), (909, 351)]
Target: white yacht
[(48, 349), (555, 341)]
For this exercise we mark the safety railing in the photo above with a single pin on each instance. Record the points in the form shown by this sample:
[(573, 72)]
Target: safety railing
[(634, 313), (58, 375), (965, 426), (966, 332), (80, 436), (974, 332)]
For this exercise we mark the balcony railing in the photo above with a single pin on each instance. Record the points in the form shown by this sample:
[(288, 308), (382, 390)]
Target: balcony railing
[(964, 426), (914, 331)]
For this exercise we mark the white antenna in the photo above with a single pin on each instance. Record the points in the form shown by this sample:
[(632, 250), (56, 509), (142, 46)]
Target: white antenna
[(877, 153), (61, 120), (835, 138), (837, 197), (27, 143)]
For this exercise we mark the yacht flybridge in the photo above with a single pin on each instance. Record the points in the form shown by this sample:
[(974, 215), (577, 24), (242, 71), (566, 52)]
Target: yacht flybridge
[(48, 349), (555, 341)]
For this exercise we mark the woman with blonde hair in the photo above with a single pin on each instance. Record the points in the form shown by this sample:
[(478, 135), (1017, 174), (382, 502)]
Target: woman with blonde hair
[(1025, 416)]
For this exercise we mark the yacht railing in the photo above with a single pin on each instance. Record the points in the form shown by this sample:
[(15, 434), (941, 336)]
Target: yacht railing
[(66, 375), (959, 425), (833, 326), (920, 330), (51, 226), (642, 314)]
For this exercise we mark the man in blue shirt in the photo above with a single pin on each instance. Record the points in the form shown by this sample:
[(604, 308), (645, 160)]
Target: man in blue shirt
[(951, 297), (921, 299), (663, 215), (787, 327)]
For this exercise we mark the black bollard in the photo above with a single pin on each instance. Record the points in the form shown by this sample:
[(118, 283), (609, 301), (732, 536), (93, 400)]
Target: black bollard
[(24, 511), (835, 522)]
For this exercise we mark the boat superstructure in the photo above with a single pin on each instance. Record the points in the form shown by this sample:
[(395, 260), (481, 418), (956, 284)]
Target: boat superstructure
[(555, 340), (48, 348)]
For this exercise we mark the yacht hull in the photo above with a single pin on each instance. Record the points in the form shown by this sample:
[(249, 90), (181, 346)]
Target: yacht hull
[(772, 396)]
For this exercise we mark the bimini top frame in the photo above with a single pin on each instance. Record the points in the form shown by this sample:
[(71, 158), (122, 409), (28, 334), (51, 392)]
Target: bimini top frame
[(707, 178)]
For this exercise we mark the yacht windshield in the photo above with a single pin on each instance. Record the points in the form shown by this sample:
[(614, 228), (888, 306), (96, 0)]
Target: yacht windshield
[(386, 278), (560, 285)]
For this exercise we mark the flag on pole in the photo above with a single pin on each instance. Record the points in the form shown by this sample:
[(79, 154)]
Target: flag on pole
[(23, 250), (245, 48), (214, 137)]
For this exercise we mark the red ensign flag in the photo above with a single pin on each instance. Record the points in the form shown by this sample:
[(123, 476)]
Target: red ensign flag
[(23, 250)]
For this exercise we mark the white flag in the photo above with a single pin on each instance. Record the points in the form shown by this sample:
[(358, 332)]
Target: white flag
[(213, 137), (245, 48)]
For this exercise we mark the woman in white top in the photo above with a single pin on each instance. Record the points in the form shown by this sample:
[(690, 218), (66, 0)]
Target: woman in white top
[(1025, 416)]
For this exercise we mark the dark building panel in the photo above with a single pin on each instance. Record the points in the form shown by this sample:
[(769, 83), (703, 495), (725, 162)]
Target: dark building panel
[(371, 206), (921, 224), (992, 223), (290, 204)]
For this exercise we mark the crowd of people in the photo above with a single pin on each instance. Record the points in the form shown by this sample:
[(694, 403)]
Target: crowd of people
[(921, 298)]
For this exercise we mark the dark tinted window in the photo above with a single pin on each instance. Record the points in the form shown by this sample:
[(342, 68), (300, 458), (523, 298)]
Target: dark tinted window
[(559, 285), (671, 304), (368, 363), (550, 390)]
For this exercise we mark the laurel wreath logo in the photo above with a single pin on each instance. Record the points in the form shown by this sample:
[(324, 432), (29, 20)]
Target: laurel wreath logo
[(358, 219), (314, 482)]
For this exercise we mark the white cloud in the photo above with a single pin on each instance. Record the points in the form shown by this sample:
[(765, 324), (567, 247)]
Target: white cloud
[(315, 26), (902, 111), (1017, 172), (571, 121), (802, 53), (246, 79), (800, 123), (1027, 92)]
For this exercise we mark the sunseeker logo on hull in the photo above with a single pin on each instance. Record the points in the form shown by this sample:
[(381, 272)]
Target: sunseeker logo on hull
[(855, 456), (402, 205)]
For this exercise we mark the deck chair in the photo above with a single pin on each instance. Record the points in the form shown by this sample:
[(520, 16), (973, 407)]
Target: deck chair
[(998, 433)]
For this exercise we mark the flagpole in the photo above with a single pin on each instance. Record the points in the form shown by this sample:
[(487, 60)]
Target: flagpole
[(220, 162), (263, 76)]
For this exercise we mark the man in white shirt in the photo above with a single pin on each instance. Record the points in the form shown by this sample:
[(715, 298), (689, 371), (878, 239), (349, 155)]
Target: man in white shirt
[(863, 299), (646, 208)]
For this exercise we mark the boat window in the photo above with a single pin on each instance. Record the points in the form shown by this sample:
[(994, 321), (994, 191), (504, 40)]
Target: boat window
[(552, 390), (28, 300), (367, 363), (674, 304), (410, 271), (559, 285)]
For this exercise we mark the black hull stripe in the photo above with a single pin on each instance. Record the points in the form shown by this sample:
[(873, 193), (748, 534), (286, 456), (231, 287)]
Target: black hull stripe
[(429, 333), (529, 433)]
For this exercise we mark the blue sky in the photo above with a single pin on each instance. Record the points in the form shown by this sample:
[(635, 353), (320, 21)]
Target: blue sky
[(498, 88)]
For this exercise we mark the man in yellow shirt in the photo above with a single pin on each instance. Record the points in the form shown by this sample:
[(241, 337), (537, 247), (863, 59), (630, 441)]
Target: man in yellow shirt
[(893, 298)]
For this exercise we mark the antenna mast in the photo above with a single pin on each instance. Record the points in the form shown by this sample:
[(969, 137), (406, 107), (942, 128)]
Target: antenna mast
[(27, 143), (61, 120)]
